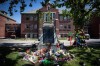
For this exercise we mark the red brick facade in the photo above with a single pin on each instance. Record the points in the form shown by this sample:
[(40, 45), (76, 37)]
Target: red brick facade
[(2, 26), (94, 27), (7, 26), (65, 26), (29, 25), (28, 19), (12, 30)]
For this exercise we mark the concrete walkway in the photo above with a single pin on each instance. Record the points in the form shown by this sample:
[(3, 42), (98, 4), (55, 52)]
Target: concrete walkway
[(28, 42)]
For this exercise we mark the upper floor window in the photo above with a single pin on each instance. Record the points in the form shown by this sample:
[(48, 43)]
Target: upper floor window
[(31, 18), (65, 27), (48, 17), (31, 27), (61, 17), (48, 8), (7, 27), (27, 26), (35, 26), (27, 18), (35, 18), (15, 28), (61, 26), (69, 26), (53, 15), (65, 18)]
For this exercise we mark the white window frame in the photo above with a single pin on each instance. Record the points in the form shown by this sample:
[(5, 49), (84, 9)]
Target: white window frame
[(46, 18)]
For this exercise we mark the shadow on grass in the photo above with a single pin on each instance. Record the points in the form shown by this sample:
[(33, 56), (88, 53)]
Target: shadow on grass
[(90, 55), (9, 56), (4, 51)]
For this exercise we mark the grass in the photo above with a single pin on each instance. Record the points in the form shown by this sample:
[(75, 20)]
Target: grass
[(89, 56), (64, 38), (9, 57)]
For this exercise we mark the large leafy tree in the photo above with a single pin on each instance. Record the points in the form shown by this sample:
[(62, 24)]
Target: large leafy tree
[(14, 3), (80, 10)]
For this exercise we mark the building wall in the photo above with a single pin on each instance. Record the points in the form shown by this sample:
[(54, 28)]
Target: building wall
[(2, 26), (12, 29), (56, 21), (65, 26), (5, 23), (29, 25), (94, 27)]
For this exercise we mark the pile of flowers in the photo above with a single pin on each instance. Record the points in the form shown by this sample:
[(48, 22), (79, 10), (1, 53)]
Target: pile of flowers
[(47, 57)]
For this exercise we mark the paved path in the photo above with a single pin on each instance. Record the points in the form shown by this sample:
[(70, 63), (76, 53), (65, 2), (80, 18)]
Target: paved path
[(66, 42), (17, 42), (29, 42)]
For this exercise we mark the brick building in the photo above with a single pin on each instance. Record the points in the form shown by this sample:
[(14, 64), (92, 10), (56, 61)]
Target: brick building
[(65, 25), (94, 27), (32, 23), (7, 26), (12, 30)]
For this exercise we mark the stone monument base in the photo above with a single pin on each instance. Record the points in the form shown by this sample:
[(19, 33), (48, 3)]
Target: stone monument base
[(53, 47)]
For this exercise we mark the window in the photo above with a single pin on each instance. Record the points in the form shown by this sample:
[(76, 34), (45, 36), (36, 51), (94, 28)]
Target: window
[(69, 27), (27, 26), (27, 18), (35, 18), (61, 35), (53, 16), (61, 18), (35, 35), (14, 28), (48, 17), (8, 27), (48, 8), (65, 18), (35, 26), (65, 27), (31, 27), (28, 35), (31, 18), (61, 26)]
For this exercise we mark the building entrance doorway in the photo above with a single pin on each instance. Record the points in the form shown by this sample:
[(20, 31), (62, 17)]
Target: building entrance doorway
[(48, 34)]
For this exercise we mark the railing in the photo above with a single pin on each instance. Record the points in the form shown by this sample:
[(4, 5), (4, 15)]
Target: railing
[(41, 39), (55, 38)]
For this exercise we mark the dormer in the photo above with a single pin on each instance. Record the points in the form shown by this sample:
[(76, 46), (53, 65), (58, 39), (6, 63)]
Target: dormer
[(48, 7)]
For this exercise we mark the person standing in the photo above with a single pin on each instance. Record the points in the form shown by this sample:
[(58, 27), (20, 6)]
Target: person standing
[(25, 36)]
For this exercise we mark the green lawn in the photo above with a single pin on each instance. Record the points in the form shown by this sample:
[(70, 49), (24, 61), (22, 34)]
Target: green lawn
[(90, 56)]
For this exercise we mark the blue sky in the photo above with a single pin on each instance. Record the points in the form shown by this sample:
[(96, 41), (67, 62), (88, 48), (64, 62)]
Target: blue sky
[(17, 15)]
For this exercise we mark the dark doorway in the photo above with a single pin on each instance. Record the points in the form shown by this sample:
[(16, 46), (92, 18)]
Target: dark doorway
[(48, 35)]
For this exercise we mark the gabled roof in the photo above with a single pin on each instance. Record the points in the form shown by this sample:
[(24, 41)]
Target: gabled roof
[(30, 12), (6, 16), (11, 23)]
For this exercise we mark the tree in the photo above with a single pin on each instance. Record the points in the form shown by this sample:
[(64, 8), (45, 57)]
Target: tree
[(78, 11), (14, 3)]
